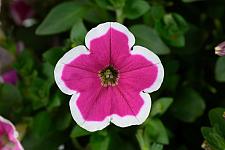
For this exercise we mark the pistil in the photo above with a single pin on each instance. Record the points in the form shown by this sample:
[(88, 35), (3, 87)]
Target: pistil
[(109, 76)]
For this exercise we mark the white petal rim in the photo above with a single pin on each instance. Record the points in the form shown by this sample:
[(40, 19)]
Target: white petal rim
[(88, 125), (103, 28), (1, 79), (114, 118), (66, 59), (134, 120), (153, 58), (15, 133)]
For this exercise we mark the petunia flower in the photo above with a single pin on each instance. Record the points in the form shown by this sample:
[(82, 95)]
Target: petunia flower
[(109, 79), (8, 136), (220, 49), (9, 77), (22, 13)]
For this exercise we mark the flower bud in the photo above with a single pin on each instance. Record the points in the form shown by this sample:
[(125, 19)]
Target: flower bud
[(220, 49)]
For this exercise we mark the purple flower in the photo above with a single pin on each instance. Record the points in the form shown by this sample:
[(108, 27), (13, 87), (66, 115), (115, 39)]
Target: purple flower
[(220, 49), (19, 47), (8, 136), (9, 77), (109, 79), (21, 12)]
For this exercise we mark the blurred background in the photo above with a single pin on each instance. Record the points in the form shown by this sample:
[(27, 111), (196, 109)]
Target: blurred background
[(188, 110)]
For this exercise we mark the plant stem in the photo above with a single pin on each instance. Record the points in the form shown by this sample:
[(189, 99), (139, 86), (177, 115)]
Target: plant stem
[(76, 144), (119, 16)]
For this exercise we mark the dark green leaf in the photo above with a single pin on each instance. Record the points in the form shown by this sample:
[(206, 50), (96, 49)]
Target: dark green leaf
[(217, 120), (213, 138), (97, 15), (10, 99), (61, 18), (78, 32), (161, 105), (118, 4), (55, 101), (148, 37), (142, 142), (104, 4), (172, 29), (156, 131), (190, 1), (188, 105), (135, 8), (100, 141), (48, 71), (220, 69), (53, 55), (63, 120), (41, 124), (78, 132), (156, 146)]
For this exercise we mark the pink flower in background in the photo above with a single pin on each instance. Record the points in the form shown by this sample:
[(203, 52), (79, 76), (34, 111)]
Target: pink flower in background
[(109, 79), (8, 136), (22, 13), (220, 49), (9, 77), (19, 47)]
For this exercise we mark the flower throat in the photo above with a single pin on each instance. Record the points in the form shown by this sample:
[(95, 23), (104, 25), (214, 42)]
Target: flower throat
[(109, 76)]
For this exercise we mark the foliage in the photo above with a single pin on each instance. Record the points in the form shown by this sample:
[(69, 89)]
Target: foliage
[(182, 32)]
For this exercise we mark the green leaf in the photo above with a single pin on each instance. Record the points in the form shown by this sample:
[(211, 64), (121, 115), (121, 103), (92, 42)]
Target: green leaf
[(78, 32), (25, 63), (172, 28), (217, 120), (154, 15), (188, 105), (49, 141), (140, 138), (38, 92), (157, 12), (97, 15), (135, 8), (148, 37), (156, 146), (61, 18), (220, 69), (10, 99), (53, 55), (63, 120), (55, 101), (156, 131), (104, 4), (213, 138), (118, 4), (48, 71), (41, 124), (190, 1), (78, 132), (100, 141), (161, 105)]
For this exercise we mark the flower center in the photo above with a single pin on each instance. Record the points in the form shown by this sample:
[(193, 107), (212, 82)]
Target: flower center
[(109, 76), (4, 142)]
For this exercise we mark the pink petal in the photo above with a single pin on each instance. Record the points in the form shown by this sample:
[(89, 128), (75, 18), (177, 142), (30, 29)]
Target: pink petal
[(10, 77), (91, 109), (68, 66), (109, 42), (129, 107), (142, 70), (20, 11), (8, 129)]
